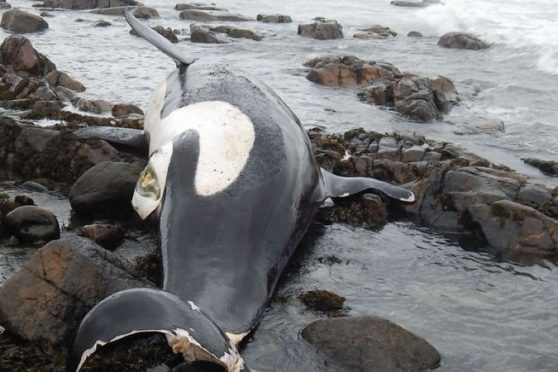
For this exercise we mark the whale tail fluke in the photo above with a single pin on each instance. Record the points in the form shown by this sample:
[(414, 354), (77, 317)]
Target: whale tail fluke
[(157, 40), (188, 330)]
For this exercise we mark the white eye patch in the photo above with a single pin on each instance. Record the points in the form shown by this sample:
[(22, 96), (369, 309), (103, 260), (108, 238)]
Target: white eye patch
[(155, 173), (226, 137)]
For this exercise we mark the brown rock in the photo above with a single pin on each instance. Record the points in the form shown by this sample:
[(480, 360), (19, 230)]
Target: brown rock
[(106, 235), (321, 300), (274, 18), (21, 22), (209, 16), (369, 343), (168, 33), (58, 78), (125, 109), (145, 12), (202, 34), (461, 40), (48, 297), (17, 52), (321, 29), (33, 224)]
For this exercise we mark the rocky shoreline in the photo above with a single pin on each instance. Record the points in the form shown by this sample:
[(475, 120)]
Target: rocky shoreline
[(457, 192)]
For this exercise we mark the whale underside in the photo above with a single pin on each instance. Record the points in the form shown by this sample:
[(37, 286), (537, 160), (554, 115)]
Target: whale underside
[(232, 186)]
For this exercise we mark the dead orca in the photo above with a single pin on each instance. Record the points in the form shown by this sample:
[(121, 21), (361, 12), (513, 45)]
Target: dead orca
[(233, 185)]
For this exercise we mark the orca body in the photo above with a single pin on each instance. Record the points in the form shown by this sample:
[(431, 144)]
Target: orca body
[(232, 184)]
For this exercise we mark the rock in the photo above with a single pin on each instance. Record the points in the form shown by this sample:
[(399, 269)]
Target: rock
[(514, 228), (34, 186), (379, 93), (113, 11), (197, 6), (105, 189), (47, 298), (58, 78), (415, 4), (414, 97), (21, 22), (375, 32), (96, 106), (88, 4), (145, 12), (33, 224), (168, 33), (534, 195), (461, 40), (102, 23), (321, 300), (414, 34), (4, 5), (21, 200), (17, 52), (274, 18), (489, 126), (32, 152), (237, 32), (348, 71), (125, 109), (210, 16), (46, 14), (445, 93), (321, 29), (369, 343), (106, 235), (44, 109), (202, 34), (548, 167)]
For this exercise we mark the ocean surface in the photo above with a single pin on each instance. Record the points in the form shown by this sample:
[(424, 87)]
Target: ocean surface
[(481, 313)]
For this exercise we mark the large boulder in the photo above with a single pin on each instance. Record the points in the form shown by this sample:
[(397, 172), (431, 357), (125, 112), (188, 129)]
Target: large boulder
[(274, 18), (47, 298), (348, 71), (413, 96), (202, 34), (210, 16), (18, 53), (21, 22), (321, 29), (88, 4), (105, 189), (369, 343), (61, 79), (33, 224), (514, 228), (461, 40)]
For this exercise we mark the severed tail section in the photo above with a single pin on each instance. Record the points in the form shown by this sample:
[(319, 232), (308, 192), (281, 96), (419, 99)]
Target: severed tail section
[(338, 187), (188, 330), (157, 40)]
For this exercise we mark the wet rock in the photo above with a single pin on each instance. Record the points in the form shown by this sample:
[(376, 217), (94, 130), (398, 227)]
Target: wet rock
[(102, 23), (548, 167), (95, 106), (414, 34), (379, 93), (18, 53), (274, 18), (488, 126), (46, 14), (21, 200), (21, 22), (415, 4), (34, 186), (106, 235), (515, 228), (445, 93), (210, 16), (58, 78), (145, 12), (197, 6), (87, 4), (321, 300), (125, 109), (534, 195), (347, 71), (321, 29), (105, 189), (202, 34), (48, 297), (461, 40), (237, 32), (375, 32), (114, 11), (33, 224), (367, 210), (414, 97), (44, 109), (4, 5), (32, 152), (168, 33), (369, 343)]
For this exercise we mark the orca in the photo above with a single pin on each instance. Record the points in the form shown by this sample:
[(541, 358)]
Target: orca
[(232, 185)]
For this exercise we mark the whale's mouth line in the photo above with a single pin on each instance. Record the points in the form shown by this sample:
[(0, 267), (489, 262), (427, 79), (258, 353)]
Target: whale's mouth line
[(181, 342)]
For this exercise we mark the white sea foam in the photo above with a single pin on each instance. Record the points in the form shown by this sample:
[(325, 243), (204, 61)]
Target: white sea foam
[(514, 23)]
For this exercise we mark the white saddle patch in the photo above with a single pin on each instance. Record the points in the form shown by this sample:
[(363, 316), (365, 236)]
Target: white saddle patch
[(226, 137)]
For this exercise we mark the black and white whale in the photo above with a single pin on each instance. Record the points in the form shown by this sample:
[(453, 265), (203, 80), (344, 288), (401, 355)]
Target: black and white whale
[(233, 185)]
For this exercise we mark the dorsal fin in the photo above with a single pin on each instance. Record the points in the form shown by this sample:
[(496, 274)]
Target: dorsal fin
[(159, 41)]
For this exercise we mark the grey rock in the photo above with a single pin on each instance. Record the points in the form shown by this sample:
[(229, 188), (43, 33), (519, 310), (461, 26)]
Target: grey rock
[(202, 34), (102, 23), (145, 12), (274, 18), (211, 16), (375, 32), (461, 40), (197, 6), (548, 167), (58, 78), (33, 224), (369, 343), (88, 4), (534, 195), (168, 33), (414, 34), (22, 22), (414, 97), (321, 29), (105, 189)]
